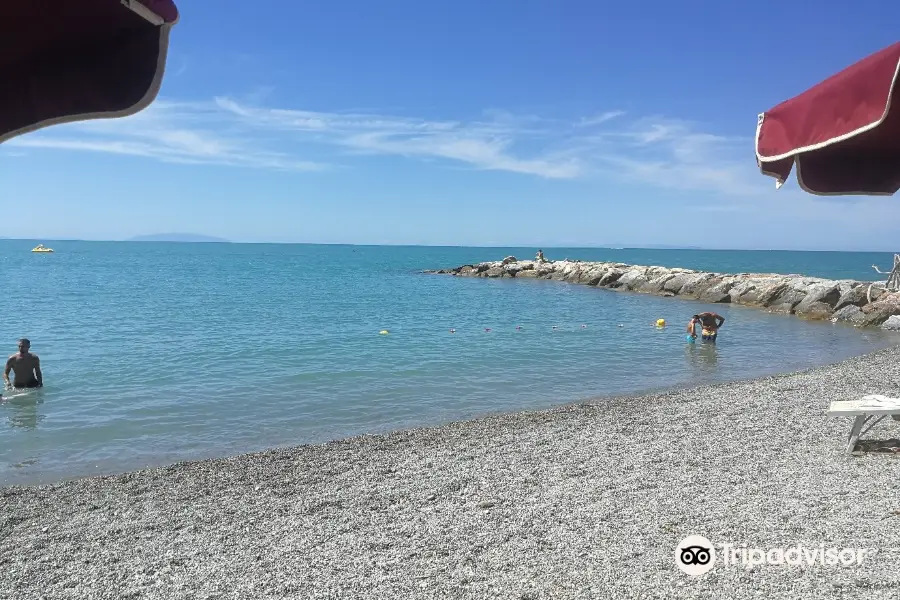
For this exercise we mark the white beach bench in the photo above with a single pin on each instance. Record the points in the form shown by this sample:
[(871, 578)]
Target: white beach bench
[(867, 407)]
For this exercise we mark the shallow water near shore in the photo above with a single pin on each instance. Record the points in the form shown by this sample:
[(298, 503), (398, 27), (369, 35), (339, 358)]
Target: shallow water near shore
[(156, 352)]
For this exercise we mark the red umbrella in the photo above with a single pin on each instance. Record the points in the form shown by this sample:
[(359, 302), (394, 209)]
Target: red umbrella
[(843, 133), (73, 60)]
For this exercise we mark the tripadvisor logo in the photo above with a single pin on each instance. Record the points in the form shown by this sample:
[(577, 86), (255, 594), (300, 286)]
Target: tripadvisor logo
[(696, 555)]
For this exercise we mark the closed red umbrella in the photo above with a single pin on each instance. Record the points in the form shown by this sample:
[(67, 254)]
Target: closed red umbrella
[(843, 134), (73, 60)]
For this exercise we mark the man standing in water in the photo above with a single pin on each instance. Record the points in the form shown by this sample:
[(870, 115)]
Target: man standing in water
[(25, 366), (710, 322)]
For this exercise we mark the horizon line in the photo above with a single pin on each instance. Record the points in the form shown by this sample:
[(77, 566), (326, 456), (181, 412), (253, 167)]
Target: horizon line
[(508, 246)]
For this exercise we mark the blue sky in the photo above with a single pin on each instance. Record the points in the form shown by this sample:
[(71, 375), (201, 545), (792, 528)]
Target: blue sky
[(461, 123)]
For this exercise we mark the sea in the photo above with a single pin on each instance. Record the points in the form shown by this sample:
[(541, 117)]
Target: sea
[(154, 353)]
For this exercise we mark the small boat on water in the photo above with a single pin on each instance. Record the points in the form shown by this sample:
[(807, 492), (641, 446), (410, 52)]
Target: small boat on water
[(41, 248)]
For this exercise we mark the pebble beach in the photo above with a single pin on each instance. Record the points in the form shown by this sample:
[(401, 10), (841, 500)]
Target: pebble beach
[(587, 500)]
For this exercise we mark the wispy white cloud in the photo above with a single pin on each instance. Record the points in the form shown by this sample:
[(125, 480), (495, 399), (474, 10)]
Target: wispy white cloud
[(656, 151), (483, 153), (173, 150), (186, 133), (558, 150), (674, 154), (601, 118), (487, 145)]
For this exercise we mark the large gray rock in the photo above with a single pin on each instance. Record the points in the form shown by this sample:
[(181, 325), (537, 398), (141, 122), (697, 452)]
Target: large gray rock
[(849, 314), (675, 283), (495, 272), (845, 285), (718, 293), (757, 291), (632, 279), (716, 297), (513, 269), (740, 286), (610, 277), (827, 293), (819, 302), (509, 260), (892, 323), (781, 298), (590, 276), (857, 296), (655, 285), (600, 274), (816, 310), (880, 311), (745, 293), (695, 285), (653, 272), (557, 276)]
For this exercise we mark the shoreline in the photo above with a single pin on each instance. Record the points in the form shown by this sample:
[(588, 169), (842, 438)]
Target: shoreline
[(157, 461), (582, 500), (813, 298)]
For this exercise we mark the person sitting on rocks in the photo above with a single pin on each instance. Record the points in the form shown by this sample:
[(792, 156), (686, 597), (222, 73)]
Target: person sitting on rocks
[(710, 322), (540, 256)]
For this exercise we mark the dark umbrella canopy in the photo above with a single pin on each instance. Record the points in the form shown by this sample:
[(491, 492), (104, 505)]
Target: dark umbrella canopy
[(74, 60), (843, 134)]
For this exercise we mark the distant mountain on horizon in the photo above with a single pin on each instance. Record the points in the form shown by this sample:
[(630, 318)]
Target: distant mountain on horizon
[(177, 237)]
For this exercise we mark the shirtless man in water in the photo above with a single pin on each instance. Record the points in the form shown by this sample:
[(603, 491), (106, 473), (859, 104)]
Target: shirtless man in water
[(710, 322), (25, 366)]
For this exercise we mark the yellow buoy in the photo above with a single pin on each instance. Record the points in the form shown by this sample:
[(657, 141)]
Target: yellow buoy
[(660, 322), (384, 332)]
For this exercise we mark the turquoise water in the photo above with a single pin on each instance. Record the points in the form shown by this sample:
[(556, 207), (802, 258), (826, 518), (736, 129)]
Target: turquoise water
[(156, 352)]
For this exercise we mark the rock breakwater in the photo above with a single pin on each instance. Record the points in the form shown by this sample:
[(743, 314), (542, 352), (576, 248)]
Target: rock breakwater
[(855, 302)]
